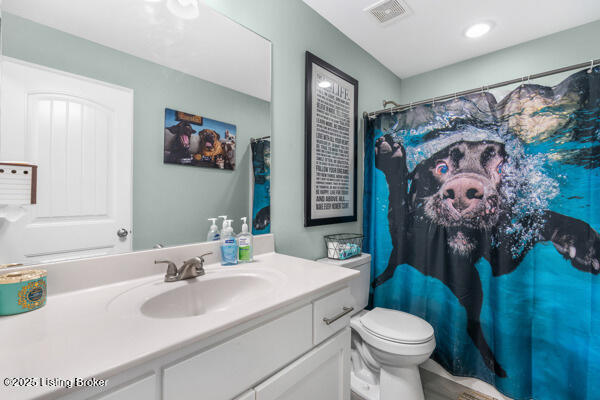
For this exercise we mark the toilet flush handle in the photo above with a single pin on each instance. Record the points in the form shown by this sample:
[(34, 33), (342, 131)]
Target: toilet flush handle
[(345, 310)]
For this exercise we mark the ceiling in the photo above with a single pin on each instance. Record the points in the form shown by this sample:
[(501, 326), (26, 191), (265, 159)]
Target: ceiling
[(432, 35), (210, 46)]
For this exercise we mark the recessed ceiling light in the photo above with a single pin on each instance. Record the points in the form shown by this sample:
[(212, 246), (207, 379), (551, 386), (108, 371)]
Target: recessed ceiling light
[(478, 30), (324, 84)]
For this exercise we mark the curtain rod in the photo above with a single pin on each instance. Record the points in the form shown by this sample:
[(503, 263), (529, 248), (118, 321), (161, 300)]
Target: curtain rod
[(401, 107), (259, 139)]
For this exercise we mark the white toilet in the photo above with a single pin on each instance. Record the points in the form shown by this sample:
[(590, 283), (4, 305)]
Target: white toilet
[(387, 345)]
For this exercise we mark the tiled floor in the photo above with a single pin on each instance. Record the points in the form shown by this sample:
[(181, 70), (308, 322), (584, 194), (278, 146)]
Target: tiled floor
[(439, 388)]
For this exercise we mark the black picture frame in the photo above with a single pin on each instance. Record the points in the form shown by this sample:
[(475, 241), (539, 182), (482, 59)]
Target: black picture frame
[(309, 218)]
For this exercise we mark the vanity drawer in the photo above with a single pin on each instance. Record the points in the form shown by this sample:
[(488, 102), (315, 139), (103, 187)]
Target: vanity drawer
[(143, 388), (228, 369), (331, 314)]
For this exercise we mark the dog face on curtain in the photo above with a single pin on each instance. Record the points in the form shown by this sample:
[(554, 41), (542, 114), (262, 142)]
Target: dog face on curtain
[(474, 192), (459, 188)]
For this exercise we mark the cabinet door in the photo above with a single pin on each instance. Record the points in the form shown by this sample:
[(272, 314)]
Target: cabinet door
[(321, 374), (229, 368)]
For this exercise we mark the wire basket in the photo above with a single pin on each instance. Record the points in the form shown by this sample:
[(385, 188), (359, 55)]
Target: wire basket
[(342, 246)]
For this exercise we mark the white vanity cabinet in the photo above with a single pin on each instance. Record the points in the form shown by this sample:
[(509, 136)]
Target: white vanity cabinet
[(321, 370), (249, 395), (321, 374), (233, 366), (277, 328), (143, 388), (290, 354)]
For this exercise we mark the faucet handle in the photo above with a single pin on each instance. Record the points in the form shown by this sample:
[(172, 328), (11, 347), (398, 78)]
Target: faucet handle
[(171, 275), (198, 259), (204, 255), (198, 263)]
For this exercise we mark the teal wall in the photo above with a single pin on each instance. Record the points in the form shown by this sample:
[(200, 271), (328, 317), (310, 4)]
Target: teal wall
[(170, 202), (293, 28), (564, 48)]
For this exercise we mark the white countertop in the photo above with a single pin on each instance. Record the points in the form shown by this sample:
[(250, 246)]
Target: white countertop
[(76, 335)]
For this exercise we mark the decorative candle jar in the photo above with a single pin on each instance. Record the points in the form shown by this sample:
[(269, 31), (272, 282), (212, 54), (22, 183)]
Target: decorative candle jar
[(22, 291)]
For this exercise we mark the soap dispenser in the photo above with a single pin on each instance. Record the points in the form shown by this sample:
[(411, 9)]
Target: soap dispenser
[(213, 232), (229, 245), (245, 244), (224, 222)]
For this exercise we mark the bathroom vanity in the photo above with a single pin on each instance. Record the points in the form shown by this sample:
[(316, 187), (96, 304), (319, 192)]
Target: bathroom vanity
[(273, 329)]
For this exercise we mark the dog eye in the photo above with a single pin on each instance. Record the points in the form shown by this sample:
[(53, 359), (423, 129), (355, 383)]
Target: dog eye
[(441, 168)]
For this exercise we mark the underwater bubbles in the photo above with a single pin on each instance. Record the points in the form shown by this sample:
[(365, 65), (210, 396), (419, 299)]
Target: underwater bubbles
[(528, 188)]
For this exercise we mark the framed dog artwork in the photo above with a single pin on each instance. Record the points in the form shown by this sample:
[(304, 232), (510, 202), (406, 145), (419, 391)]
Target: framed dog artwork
[(198, 141)]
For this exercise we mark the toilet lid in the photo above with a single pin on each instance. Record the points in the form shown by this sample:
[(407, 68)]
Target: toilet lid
[(397, 326)]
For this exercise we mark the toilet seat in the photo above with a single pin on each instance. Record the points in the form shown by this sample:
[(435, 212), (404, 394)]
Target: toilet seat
[(397, 326), (426, 345)]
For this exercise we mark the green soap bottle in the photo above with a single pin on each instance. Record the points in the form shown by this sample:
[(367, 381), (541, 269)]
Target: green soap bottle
[(245, 244)]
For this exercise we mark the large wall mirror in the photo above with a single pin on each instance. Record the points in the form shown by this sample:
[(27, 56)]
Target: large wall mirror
[(127, 122)]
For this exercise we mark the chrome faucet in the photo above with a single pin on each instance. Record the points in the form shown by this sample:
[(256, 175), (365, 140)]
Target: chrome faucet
[(191, 268)]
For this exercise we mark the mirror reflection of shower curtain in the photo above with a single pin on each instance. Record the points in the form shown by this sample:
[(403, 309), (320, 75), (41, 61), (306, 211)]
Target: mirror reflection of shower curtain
[(481, 214), (261, 200)]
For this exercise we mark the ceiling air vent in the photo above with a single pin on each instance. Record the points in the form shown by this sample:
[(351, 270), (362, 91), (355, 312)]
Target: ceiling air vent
[(388, 10)]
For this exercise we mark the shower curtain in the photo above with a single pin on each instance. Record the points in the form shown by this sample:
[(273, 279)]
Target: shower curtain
[(261, 201), (481, 214)]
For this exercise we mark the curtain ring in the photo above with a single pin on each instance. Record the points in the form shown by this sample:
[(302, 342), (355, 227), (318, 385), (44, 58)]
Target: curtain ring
[(591, 67), (433, 102)]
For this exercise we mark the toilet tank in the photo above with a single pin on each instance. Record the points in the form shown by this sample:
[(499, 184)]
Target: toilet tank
[(359, 287)]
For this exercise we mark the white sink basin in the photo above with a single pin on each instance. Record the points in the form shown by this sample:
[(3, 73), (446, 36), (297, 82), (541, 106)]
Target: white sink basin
[(219, 290)]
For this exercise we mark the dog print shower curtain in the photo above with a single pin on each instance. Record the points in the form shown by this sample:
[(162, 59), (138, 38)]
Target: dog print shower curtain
[(261, 199), (482, 216)]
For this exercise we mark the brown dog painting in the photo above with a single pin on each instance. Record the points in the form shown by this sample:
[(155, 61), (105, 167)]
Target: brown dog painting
[(198, 141), (177, 143)]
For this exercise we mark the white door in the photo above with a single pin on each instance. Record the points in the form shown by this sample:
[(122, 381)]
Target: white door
[(321, 374), (79, 132)]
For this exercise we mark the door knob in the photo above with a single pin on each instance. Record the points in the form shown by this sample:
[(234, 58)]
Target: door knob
[(122, 233)]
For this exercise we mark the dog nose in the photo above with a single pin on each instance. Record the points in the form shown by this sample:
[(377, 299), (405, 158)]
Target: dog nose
[(463, 193)]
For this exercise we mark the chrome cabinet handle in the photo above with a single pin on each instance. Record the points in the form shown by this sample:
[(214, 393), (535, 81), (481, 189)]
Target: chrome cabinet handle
[(345, 310), (122, 233)]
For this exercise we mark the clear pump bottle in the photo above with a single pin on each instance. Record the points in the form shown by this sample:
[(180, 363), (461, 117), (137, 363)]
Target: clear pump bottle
[(245, 244), (213, 233), (224, 222)]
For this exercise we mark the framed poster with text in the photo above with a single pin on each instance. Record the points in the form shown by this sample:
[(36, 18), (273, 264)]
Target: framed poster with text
[(331, 144)]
